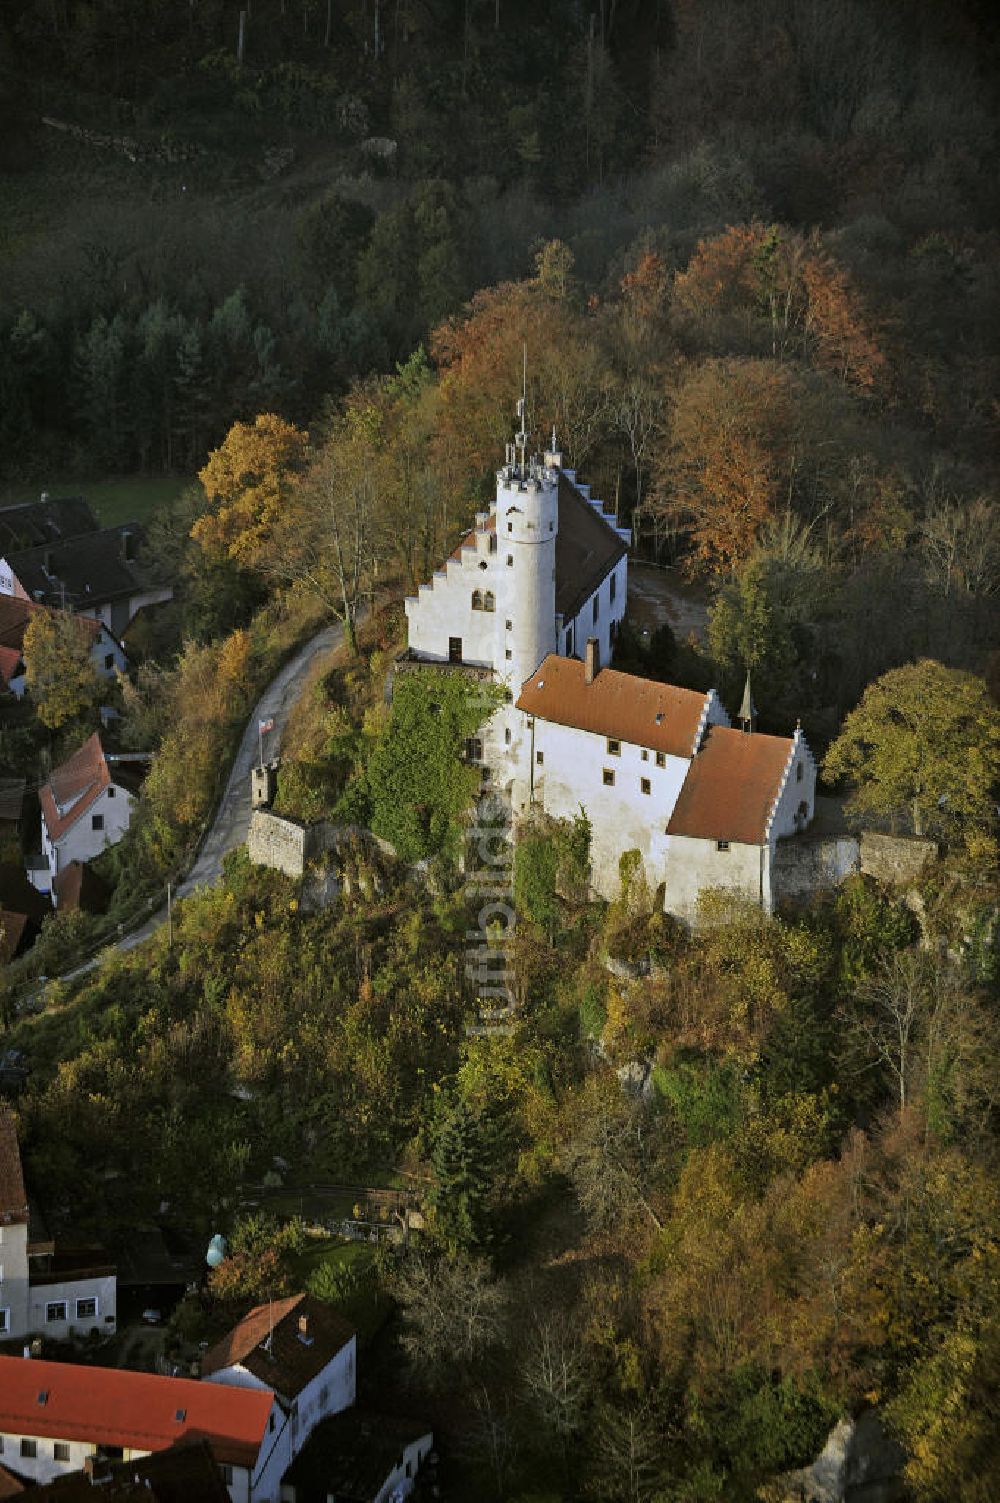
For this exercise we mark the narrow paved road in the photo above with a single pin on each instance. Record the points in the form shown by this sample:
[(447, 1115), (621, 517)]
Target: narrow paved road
[(232, 820)]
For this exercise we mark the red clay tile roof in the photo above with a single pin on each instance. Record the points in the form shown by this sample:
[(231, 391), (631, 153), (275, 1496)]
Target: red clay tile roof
[(10, 1486), (15, 613), (79, 886), (140, 1411), (637, 710), (10, 658), (83, 778), (269, 1344), (12, 926), (731, 787), (13, 1196)]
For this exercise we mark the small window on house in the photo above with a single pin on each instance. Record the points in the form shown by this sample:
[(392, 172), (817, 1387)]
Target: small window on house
[(1, 1443), (4, 1320), (60, 1451), (614, 748), (508, 655), (474, 748), (227, 1473), (454, 649), (489, 601), (798, 772), (803, 812), (493, 542), (109, 660), (86, 1309), (111, 791), (29, 1449), (477, 600), (485, 776), (609, 778), (644, 754), (506, 737), (597, 608), (56, 1310), (97, 821), (510, 527), (613, 587), (569, 643), (645, 785), (722, 845), (661, 759), (270, 1422), (510, 560), (539, 759), (508, 626)]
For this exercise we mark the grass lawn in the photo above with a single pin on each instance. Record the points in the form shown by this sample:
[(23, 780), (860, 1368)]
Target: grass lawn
[(127, 499)]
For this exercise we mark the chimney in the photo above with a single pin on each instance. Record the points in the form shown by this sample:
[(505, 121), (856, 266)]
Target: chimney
[(303, 1325), (591, 661)]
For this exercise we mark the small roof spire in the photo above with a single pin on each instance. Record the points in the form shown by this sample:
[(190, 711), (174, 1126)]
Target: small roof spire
[(748, 710)]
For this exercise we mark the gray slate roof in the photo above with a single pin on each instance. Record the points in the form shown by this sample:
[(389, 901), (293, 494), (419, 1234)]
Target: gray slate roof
[(32, 524), (587, 549)]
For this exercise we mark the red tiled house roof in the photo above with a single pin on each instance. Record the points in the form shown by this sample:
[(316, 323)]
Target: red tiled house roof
[(731, 787), (269, 1343), (73, 787), (637, 710), (137, 1411)]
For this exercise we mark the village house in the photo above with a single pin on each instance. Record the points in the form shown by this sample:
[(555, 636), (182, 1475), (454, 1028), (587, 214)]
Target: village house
[(84, 810), (533, 598), (55, 554), (46, 1289), (59, 1417), (106, 653), (186, 1473), (300, 1350), (358, 1457)]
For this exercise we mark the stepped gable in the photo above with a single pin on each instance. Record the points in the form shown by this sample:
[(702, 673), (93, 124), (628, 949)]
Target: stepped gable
[(13, 1195), (114, 1407), (36, 524), (640, 711), (731, 787), (73, 787), (587, 548), (285, 1344)]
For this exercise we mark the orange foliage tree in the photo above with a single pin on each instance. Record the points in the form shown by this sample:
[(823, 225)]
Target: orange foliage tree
[(247, 481)]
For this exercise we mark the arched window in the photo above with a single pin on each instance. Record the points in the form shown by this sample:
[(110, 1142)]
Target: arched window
[(477, 600), (489, 601)]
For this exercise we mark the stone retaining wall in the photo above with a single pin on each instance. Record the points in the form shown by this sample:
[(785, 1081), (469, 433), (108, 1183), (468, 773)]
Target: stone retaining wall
[(807, 864), (895, 859)]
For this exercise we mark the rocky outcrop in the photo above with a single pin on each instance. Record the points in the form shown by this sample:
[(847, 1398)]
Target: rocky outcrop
[(860, 1463)]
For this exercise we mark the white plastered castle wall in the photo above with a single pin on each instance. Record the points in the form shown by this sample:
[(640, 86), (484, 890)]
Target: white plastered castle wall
[(443, 609)]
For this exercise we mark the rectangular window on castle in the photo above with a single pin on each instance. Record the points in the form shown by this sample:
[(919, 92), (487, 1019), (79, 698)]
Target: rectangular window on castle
[(644, 754), (644, 785), (86, 1309), (722, 845), (597, 608), (798, 772), (55, 1310), (661, 759), (539, 759), (29, 1449), (614, 748), (609, 778), (493, 542), (4, 1320), (506, 737), (614, 586), (60, 1451)]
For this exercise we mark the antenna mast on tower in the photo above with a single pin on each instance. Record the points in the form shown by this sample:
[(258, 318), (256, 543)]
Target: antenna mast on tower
[(521, 437)]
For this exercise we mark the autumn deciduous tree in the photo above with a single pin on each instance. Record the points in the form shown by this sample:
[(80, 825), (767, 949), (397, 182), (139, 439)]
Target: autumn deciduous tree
[(61, 676), (723, 467), (926, 738), (247, 481)]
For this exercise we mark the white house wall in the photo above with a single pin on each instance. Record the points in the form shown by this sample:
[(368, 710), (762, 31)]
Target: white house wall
[(81, 842), (43, 1466), (574, 634), (333, 1389), (409, 1465), (622, 817), (693, 865), (103, 1289), (14, 1296), (795, 791)]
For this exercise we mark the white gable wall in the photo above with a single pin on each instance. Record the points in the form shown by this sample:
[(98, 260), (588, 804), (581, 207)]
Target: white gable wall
[(14, 1279), (81, 842), (443, 608)]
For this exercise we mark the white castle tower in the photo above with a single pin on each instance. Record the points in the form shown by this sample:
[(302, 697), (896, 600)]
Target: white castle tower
[(527, 520)]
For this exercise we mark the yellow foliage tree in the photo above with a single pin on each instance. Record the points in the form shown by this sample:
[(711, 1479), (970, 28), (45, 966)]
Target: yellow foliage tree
[(247, 481), (61, 676)]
